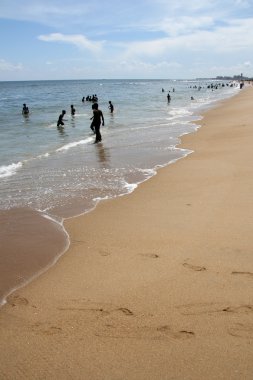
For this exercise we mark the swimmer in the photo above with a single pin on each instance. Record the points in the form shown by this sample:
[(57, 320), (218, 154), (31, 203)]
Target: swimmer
[(73, 111), (60, 119), (111, 108), (25, 110)]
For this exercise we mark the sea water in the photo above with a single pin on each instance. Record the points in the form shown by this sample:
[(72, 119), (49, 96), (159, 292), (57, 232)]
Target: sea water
[(49, 168), (60, 172)]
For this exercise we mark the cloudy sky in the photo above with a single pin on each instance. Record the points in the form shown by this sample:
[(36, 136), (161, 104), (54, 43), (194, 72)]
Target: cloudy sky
[(80, 39)]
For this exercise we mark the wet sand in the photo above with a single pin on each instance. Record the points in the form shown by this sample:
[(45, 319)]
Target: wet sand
[(23, 252), (156, 284)]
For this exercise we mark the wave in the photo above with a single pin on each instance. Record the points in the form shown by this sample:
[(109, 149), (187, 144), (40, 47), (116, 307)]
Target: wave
[(9, 170), (178, 112), (74, 144)]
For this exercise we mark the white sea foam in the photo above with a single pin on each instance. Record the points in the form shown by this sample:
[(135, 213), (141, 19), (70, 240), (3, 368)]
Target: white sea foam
[(52, 125), (179, 112), (45, 155), (52, 219), (9, 170), (130, 187), (74, 144), (81, 114)]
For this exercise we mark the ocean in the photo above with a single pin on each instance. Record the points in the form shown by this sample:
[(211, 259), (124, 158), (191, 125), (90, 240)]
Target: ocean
[(48, 174)]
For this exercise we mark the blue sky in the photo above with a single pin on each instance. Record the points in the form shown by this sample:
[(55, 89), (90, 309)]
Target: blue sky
[(80, 39)]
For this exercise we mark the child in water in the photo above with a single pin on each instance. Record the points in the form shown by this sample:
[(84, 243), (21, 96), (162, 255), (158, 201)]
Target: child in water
[(60, 119), (25, 110), (96, 121), (111, 108), (73, 111)]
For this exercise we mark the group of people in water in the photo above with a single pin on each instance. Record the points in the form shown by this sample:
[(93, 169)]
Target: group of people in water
[(60, 122), (90, 98), (168, 95), (97, 118)]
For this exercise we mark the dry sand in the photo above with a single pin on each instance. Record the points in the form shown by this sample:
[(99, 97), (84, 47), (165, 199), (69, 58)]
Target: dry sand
[(156, 284)]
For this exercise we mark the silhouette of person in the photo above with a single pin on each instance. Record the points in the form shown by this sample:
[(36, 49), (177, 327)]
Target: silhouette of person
[(111, 108), (92, 127), (73, 111), (169, 98), (25, 110), (60, 119), (97, 117)]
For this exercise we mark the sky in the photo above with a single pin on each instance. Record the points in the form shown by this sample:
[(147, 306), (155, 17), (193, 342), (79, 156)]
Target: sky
[(117, 39)]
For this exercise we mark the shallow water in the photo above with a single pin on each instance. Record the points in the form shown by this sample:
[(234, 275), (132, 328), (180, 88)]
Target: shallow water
[(59, 172)]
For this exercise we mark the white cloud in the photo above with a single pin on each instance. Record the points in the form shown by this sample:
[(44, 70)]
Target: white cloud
[(8, 66), (78, 40), (185, 24), (243, 3), (236, 36), (49, 12), (247, 64), (176, 26), (149, 36)]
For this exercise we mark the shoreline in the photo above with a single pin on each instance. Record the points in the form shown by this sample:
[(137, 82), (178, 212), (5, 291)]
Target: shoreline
[(138, 291), (21, 221), (23, 235), (16, 217), (25, 222)]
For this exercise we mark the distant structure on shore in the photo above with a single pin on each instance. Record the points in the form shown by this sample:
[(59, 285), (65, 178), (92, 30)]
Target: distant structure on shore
[(235, 77), (239, 77)]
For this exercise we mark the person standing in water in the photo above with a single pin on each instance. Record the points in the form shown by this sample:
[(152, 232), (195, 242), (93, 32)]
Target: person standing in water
[(73, 111), (92, 127), (111, 108), (96, 123), (60, 119), (25, 110)]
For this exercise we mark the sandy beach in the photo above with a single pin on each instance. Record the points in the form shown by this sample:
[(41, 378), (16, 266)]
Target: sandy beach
[(156, 284)]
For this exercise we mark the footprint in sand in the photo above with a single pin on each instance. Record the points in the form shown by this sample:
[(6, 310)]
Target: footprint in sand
[(239, 309), (125, 311), (249, 274), (199, 308), (195, 268), (143, 332), (181, 334), (104, 253), (241, 330), (150, 255), (210, 308), (16, 300), (101, 309), (46, 329)]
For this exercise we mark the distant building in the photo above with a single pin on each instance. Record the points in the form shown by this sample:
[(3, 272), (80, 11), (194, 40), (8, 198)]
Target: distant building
[(235, 77)]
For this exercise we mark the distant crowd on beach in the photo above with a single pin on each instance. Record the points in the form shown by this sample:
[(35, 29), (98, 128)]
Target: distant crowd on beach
[(212, 86)]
